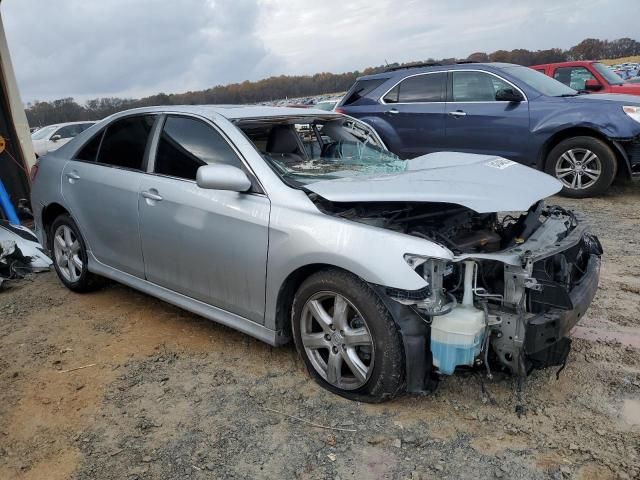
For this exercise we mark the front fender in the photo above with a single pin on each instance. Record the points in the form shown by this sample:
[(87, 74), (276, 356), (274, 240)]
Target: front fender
[(298, 238), (607, 120)]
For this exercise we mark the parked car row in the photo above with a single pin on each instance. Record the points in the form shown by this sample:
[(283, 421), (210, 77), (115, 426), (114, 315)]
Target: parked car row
[(627, 70), (508, 111)]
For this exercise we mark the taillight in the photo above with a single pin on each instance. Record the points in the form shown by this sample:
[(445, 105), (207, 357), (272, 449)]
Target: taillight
[(338, 110), (34, 171)]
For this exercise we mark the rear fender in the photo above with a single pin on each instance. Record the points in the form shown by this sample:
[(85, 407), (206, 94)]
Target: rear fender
[(386, 132)]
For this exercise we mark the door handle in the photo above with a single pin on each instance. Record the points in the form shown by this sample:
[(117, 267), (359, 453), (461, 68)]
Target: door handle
[(458, 113), (73, 176), (393, 111), (152, 195)]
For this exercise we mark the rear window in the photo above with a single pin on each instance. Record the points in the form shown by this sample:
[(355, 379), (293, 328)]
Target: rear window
[(361, 89), (90, 151), (125, 141)]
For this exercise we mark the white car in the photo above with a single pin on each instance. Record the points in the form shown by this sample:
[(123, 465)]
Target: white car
[(327, 105), (50, 138)]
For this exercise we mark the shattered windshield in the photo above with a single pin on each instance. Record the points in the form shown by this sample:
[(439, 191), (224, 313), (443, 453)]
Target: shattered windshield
[(304, 151)]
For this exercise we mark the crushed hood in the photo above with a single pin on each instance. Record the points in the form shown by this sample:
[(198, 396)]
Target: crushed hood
[(480, 182)]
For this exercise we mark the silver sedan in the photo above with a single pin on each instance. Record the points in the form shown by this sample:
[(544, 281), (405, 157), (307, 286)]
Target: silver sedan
[(289, 223)]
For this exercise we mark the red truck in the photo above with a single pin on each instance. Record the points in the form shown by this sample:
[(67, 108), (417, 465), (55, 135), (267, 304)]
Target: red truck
[(588, 75)]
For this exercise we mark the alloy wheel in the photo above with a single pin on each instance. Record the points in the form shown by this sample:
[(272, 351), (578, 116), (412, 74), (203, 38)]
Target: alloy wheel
[(578, 168), (336, 340), (66, 251)]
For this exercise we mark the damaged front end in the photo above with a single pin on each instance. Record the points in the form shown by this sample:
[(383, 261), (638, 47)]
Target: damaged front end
[(511, 293)]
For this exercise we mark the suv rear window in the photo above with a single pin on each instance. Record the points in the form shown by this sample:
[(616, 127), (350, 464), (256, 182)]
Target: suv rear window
[(362, 88)]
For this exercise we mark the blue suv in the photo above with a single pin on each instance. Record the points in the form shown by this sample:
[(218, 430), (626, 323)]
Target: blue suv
[(506, 110)]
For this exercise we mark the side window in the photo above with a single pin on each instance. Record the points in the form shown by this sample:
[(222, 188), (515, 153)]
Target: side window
[(186, 144), (574, 77), (89, 152), (476, 87), (125, 142), (68, 131), (420, 88)]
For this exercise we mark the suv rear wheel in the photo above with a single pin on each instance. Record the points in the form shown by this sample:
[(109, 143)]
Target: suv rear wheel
[(347, 338), (586, 166)]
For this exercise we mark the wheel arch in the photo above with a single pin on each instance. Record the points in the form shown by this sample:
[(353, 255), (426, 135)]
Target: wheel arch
[(623, 167), (385, 131), (49, 214), (288, 290)]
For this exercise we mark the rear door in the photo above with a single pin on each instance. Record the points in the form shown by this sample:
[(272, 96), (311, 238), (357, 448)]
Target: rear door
[(210, 245), (477, 123), (101, 187), (415, 109)]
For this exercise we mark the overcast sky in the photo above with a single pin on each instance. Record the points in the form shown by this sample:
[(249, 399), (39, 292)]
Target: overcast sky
[(133, 48)]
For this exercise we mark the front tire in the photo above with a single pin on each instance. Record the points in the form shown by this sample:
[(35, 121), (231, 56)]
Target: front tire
[(70, 255), (347, 338), (586, 166)]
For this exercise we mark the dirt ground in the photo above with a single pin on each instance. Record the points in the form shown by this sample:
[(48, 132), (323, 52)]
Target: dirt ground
[(166, 394)]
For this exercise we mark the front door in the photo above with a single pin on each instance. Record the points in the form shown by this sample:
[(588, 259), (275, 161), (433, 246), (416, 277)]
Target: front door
[(478, 123), (209, 245), (101, 189)]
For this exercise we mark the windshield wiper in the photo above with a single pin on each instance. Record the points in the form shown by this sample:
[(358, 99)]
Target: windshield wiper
[(564, 95)]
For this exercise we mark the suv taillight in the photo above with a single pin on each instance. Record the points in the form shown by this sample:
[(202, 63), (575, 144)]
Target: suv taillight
[(34, 171)]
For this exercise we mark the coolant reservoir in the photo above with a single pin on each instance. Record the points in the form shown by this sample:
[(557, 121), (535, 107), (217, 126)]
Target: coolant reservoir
[(456, 337)]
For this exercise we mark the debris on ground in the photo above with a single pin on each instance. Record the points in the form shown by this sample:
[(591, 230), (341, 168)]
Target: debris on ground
[(20, 253)]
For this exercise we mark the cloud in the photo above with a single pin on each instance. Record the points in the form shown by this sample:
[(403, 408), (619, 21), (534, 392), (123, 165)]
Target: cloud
[(115, 47), (133, 48)]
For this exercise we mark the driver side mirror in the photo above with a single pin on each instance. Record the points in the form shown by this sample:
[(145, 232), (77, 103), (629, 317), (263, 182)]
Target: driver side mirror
[(55, 138), (592, 85), (508, 95), (217, 176)]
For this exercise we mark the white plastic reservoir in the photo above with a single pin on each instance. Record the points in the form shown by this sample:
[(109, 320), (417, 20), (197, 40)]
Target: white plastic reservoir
[(456, 337)]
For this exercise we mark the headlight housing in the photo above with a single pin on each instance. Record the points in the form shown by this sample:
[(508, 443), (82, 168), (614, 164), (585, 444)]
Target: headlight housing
[(633, 112)]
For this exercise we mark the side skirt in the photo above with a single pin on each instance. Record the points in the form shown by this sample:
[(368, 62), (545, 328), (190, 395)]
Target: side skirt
[(195, 306)]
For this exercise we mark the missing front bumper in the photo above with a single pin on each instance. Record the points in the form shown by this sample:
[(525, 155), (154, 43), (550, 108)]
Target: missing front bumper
[(546, 343)]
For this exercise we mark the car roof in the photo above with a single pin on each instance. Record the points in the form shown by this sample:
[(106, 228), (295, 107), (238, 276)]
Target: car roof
[(231, 112), (66, 123), (405, 72), (577, 63)]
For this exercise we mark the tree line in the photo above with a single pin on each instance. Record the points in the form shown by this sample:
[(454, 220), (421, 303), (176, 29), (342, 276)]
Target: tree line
[(41, 113)]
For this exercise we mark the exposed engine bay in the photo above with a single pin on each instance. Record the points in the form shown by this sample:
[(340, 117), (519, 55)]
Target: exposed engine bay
[(458, 228), (516, 286)]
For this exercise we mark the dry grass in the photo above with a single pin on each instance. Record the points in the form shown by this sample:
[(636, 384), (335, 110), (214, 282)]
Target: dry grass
[(616, 61)]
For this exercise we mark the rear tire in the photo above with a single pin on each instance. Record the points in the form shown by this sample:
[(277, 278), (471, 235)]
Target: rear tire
[(70, 256), (586, 166), (355, 349)]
